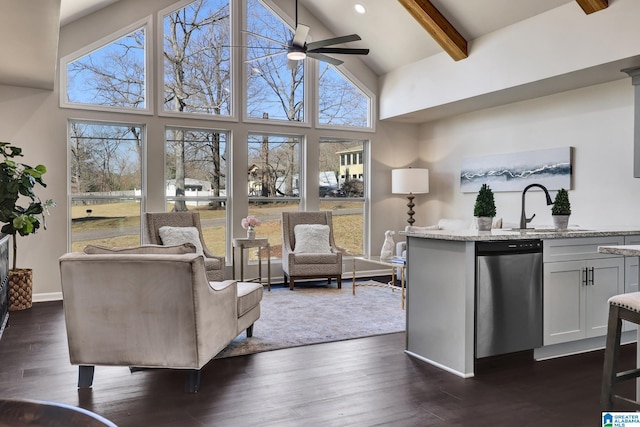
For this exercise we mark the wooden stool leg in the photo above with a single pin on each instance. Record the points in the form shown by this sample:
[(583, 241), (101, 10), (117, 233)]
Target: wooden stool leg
[(610, 368)]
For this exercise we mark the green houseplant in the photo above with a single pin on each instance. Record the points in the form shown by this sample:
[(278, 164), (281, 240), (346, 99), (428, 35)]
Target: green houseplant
[(17, 184), (485, 208), (561, 210)]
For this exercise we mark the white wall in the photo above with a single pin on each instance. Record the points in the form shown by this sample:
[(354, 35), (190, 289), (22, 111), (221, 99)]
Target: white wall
[(597, 121), (554, 51)]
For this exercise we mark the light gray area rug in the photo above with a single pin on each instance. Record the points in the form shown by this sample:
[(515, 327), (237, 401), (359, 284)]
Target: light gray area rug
[(313, 314)]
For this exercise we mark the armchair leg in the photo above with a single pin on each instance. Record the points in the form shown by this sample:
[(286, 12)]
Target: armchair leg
[(250, 331), (339, 282), (192, 384), (290, 283), (85, 376)]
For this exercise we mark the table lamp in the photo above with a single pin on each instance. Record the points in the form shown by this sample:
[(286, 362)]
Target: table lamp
[(410, 181)]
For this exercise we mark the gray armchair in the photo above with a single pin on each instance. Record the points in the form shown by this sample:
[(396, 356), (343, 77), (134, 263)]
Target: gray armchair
[(154, 220), (152, 308), (298, 264)]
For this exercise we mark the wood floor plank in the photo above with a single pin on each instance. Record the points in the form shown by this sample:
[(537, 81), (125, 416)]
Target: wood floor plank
[(364, 382)]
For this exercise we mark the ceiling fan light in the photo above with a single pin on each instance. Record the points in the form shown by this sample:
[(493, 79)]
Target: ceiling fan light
[(296, 55)]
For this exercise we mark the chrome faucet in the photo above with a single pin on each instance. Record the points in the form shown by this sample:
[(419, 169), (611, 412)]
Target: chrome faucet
[(523, 216)]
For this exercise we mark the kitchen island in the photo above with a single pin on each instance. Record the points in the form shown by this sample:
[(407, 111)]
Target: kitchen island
[(441, 295)]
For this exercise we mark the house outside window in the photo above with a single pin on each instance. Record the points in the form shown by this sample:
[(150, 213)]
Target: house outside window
[(343, 189), (196, 179)]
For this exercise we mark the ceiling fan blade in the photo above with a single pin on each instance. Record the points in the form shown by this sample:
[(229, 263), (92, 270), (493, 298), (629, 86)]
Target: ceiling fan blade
[(265, 56), (324, 58), (340, 50), (335, 40), (265, 38), (300, 37)]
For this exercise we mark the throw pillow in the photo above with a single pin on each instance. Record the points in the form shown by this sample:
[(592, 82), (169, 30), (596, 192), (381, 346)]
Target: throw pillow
[(311, 239), (186, 248), (180, 235)]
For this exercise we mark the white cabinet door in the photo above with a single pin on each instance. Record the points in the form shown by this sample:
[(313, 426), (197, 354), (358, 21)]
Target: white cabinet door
[(564, 301), (605, 279), (575, 297)]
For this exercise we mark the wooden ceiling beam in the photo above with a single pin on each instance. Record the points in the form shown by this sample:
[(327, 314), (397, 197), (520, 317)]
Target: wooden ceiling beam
[(438, 27), (590, 6)]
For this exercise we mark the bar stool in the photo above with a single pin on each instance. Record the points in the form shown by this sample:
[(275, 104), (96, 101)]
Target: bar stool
[(621, 307)]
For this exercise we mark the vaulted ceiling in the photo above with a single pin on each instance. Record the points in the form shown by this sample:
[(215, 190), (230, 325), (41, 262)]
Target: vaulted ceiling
[(397, 32)]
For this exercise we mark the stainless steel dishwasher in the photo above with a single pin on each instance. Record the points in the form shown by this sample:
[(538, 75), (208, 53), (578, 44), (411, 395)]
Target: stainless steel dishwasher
[(508, 296)]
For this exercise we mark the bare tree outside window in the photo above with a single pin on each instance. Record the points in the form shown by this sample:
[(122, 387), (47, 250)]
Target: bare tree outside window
[(275, 91), (197, 58), (113, 75), (106, 183), (197, 77), (274, 166), (340, 102)]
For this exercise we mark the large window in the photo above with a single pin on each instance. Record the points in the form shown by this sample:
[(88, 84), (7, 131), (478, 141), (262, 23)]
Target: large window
[(197, 61), (340, 102), (273, 182), (112, 75), (342, 189), (106, 183), (198, 51), (275, 85), (196, 179)]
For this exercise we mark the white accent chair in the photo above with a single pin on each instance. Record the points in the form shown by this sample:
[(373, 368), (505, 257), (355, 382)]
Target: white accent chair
[(154, 220), (150, 307), (297, 265)]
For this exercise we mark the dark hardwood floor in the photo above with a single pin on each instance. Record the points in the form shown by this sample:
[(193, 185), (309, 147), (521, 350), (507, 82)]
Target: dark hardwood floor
[(362, 382)]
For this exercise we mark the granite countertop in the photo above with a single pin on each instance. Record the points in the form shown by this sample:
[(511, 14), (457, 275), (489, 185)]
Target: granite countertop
[(626, 250), (514, 234)]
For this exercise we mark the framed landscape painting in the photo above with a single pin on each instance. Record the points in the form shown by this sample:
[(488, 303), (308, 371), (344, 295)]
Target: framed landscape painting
[(513, 172)]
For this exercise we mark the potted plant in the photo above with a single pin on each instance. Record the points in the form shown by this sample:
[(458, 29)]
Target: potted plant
[(17, 184), (561, 210), (485, 208)]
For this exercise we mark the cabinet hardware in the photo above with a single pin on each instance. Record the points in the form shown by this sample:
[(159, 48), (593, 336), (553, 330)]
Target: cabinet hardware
[(592, 270), (584, 276)]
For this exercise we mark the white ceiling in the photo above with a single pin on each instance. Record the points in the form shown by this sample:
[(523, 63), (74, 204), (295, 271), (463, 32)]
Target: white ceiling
[(70, 10), (396, 39), (392, 35)]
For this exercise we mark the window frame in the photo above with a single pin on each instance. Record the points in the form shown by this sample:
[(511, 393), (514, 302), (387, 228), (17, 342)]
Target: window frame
[(233, 67), (302, 178), (144, 23), (142, 199), (366, 190), (307, 73), (361, 87)]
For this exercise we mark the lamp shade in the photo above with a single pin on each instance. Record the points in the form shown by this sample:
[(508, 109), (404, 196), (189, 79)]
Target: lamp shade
[(410, 181)]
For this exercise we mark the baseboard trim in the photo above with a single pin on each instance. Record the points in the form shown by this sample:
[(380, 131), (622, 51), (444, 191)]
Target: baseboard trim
[(50, 296), (439, 365), (580, 346)]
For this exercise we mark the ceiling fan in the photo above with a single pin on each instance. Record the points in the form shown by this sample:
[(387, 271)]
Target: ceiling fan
[(298, 49)]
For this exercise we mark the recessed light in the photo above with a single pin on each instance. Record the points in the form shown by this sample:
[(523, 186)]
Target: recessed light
[(359, 8)]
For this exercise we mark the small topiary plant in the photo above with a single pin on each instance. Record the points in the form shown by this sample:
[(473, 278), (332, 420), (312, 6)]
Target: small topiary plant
[(485, 205), (561, 205)]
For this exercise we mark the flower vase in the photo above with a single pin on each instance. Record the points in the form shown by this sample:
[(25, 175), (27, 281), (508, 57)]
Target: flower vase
[(251, 233)]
